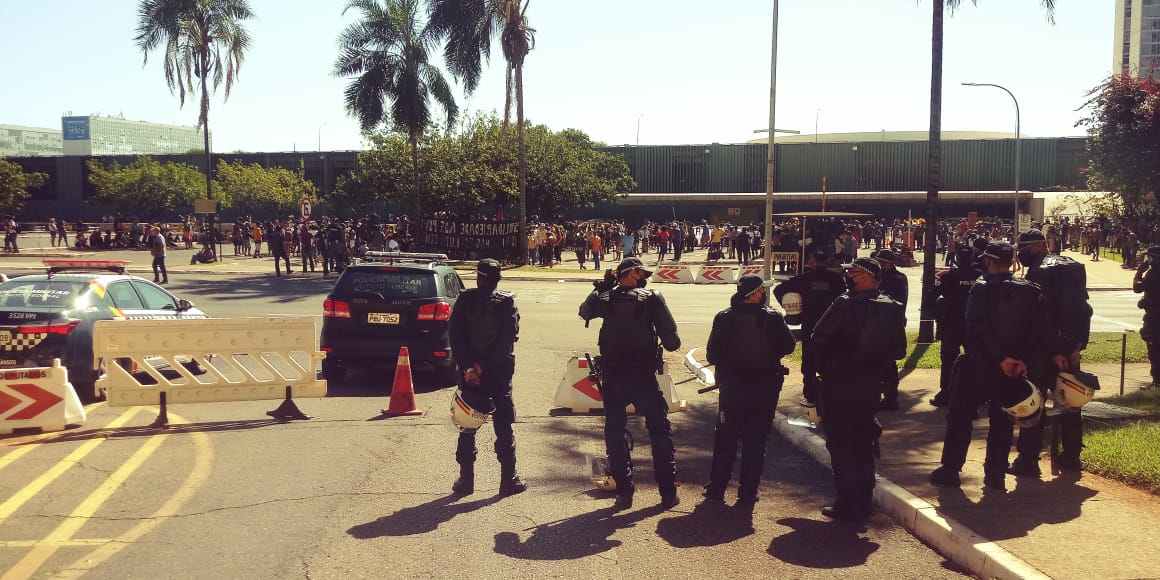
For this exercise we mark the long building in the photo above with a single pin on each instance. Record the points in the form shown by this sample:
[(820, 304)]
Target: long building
[(20, 141), (1136, 50), (98, 135)]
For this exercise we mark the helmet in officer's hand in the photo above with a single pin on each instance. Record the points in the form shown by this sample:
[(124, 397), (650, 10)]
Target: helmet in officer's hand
[(1022, 401), (1075, 389), (469, 410)]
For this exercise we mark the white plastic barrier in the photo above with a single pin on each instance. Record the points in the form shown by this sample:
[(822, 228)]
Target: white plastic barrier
[(674, 273), (149, 362), (758, 269), (791, 257), (579, 394), (38, 398), (717, 275)]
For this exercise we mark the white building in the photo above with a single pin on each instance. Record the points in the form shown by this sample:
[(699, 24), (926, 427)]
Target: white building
[(1137, 38), (96, 135), (18, 141)]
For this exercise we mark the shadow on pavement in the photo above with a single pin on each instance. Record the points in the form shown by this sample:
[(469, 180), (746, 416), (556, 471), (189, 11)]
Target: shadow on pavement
[(149, 431), (823, 545), (278, 290), (1032, 503), (707, 525), (572, 538), (419, 519)]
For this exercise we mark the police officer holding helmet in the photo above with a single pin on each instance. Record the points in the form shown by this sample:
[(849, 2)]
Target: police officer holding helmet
[(484, 328), (747, 343), (1005, 326), (895, 285), (950, 292), (859, 334), (1147, 281), (817, 288), (634, 320), (1064, 284)]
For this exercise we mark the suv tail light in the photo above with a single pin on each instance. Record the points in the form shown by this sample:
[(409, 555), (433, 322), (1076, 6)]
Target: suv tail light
[(434, 311), (335, 309), (61, 327)]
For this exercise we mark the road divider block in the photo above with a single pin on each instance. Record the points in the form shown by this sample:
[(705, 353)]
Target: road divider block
[(757, 269), (717, 275), (155, 362), (38, 398), (674, 274), (578, 393)]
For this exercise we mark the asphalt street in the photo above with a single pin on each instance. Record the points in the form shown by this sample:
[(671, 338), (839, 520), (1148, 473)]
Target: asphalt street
[(228, 493)]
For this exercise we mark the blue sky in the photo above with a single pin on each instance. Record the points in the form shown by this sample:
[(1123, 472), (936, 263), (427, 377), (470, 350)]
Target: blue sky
[(686, 71)]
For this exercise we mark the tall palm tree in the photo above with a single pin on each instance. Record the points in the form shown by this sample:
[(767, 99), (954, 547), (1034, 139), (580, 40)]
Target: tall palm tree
[(934, 159), (387, 52), (203, 40), (469, 26)]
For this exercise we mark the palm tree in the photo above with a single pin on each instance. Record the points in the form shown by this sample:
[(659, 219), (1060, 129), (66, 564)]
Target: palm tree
[(202, 39), (387, 51), (469, 26), (934, 159)]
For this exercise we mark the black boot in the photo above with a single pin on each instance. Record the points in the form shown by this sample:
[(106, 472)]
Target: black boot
[(509, 482), (465, 485)]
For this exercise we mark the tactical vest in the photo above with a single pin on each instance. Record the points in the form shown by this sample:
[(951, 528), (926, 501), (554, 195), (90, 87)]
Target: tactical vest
[(1014, 311), (747, 352), (627, 336), (485, 315)]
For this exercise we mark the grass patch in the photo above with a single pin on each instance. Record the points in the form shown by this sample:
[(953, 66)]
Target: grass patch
[(1125, 453)]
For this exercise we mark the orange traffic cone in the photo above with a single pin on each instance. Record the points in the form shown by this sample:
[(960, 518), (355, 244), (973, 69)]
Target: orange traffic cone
[(403, 391)]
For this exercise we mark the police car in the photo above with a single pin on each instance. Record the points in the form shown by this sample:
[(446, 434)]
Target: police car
[(49, 316), (387, 301)]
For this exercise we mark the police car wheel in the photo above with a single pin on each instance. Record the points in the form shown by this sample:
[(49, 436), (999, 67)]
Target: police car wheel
[(332, 372)]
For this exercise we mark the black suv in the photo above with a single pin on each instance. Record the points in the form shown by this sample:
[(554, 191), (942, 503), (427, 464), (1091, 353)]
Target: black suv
[(386, 301)]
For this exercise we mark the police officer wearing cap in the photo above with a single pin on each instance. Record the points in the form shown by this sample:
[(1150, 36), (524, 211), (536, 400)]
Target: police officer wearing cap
[(818, 287), (1064, 284), (484, 328), (1147, 281), (895, 285), (1005, 328), (746, 343), (861, 331), (950, 292), (634, 320)]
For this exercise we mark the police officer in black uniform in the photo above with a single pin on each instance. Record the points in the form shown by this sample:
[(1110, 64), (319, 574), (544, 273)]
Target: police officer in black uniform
[(484, 328), (950, 292), (1006, 326), (818, 287), (747, 343), (634, 319), (861, 331), (1147, 281), (895, 285), (1064, 284)]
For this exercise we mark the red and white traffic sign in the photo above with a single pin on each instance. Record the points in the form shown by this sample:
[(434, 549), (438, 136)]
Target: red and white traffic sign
[(38, 401), (38, 398), (306, 208)]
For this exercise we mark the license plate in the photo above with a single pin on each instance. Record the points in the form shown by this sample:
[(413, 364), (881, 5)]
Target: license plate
[(383, 317), (5, 337)]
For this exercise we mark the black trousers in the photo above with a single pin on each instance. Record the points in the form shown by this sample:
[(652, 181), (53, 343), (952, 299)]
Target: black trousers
[(851, 434), (1150, 332), (281, 255), (746, 421), (638, 386), (951, 342), (499, 390), (890, 381), (1070, 425), (981, 387), (810, 370), (159, 273)]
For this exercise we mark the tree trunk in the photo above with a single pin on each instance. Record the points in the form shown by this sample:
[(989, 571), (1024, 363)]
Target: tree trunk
[(934, 174), (204, 117), (523, 162), (415, 172)]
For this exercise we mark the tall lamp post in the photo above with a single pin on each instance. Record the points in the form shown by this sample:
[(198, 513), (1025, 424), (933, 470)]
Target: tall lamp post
[(638, 117), (769, 178), (1014, 224), (320, 136)]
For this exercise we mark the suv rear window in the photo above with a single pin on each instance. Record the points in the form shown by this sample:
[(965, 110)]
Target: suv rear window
[(390, 282), (41, 294)]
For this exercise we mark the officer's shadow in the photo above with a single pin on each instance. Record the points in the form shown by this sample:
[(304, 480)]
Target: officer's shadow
[(822, 544), (572, 538), (1032, 503), (419, 519), (708, 524)]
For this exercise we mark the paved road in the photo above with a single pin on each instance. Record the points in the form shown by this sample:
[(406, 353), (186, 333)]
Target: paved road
[(346, 495)]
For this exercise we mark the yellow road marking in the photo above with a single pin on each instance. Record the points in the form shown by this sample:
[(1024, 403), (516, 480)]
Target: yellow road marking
[(60, 543), (11, 458), (21, 497), (203, 465), (40, 554)]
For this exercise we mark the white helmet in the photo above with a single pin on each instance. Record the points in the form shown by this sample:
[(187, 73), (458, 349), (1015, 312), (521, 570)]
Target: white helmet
[(1027, 407), (792, 303), (598, 471), (466, 417), (812, 413), (1074, 390)]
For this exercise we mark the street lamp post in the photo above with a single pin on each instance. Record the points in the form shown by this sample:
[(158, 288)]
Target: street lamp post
[(769, 177), (1014, 224), (638, 117), (320, 136)]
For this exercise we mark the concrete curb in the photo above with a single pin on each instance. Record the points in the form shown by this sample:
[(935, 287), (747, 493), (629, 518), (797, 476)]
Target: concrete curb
[(702, 373), (957, 542)]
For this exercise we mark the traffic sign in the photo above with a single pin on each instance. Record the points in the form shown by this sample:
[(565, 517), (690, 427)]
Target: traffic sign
[(306, 208)]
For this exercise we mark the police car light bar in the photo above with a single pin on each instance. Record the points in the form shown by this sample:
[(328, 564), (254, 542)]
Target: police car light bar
[(67, 265), (392, 257)]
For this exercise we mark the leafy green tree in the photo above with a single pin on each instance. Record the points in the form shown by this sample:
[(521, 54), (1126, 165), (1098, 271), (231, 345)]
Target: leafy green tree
[(146, 188), (1125, 143), (468, 26), (14, 185), (387, 52), (202, 39), (934, 154), (262, 190)]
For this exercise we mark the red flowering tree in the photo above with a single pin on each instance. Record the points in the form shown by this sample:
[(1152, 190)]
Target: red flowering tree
[(1124, 148)]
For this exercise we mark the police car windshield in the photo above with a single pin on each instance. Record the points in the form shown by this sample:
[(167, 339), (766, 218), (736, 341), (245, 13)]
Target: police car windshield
[(40, 294), (397, 284)]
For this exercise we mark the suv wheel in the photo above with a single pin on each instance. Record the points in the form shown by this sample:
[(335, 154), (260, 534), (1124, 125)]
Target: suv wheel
[(332, 372)]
